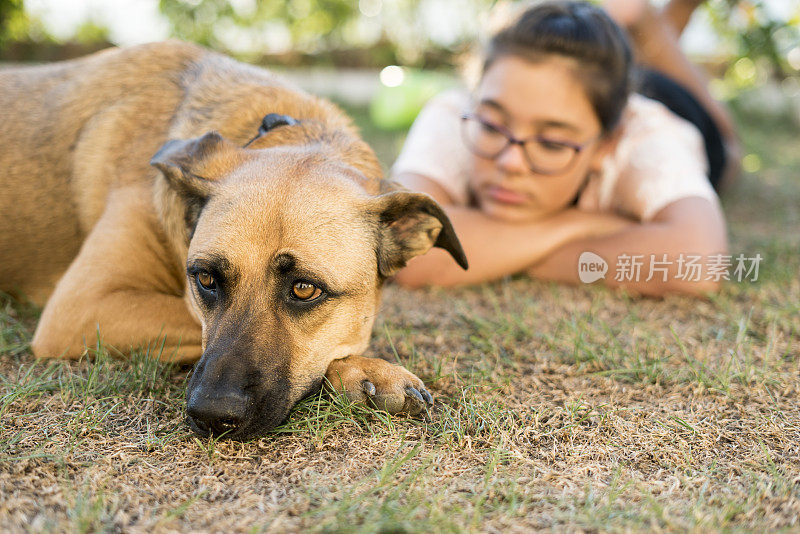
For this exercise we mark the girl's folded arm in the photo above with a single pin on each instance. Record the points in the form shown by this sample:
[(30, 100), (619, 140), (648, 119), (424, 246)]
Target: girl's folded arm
[(497, 248), (686, 228)]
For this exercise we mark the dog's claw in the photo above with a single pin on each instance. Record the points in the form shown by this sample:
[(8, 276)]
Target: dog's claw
[(412, 392), (427, 396), (369, 388)]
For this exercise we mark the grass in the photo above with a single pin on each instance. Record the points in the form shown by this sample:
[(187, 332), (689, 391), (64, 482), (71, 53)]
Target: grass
[(557, 408)]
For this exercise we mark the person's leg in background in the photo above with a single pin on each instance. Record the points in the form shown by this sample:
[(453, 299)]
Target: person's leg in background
[(679, 12), (654, 35)]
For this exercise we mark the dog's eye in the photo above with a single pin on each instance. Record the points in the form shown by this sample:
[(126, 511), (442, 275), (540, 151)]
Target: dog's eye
[(206, 281), (305, 291)]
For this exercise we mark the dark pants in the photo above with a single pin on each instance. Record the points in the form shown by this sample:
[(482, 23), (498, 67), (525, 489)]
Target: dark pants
[(657, 86)]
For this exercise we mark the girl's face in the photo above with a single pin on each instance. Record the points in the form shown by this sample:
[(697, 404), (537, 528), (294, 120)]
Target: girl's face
[(543, 101)]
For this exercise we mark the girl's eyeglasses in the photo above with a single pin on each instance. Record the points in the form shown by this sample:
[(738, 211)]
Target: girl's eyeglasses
[(543, 155)]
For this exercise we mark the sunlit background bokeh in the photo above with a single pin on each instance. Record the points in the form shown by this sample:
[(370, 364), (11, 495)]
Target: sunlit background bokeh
[(390, 56)]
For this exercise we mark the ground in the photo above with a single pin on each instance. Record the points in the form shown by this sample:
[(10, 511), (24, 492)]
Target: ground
[(557, 408)]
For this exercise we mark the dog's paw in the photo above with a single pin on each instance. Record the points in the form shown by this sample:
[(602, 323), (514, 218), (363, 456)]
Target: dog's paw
[(379, 383)]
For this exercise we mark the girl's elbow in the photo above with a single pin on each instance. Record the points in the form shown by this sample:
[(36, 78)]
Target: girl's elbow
[(417, 276), (410, 279)]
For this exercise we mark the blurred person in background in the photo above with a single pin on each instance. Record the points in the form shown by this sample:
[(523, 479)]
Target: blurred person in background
[(574, 141)]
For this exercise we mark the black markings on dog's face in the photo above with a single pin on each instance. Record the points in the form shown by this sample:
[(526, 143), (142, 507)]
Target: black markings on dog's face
[(259, 325), (300, 289), (212, 279), (194, 207), (232, 390), (283, 281)]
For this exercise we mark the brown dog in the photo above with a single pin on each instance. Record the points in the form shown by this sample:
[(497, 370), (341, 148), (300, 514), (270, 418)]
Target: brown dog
[(264, 262)]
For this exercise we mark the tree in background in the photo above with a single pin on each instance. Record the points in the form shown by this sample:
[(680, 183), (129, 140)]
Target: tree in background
[(12, 21), (394, 30), (763, 43), (24, 38), (761, 40)]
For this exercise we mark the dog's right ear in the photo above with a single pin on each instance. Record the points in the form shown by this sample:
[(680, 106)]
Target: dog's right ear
[(192, 166), (409, 224)]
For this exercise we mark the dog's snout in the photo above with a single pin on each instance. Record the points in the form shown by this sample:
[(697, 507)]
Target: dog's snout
[(234, 394), (219, 413)]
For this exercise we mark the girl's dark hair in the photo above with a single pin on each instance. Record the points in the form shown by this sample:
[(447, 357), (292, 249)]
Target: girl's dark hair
[(580, 31)]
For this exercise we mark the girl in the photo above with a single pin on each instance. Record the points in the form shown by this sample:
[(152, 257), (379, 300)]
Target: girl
[(552, 156)]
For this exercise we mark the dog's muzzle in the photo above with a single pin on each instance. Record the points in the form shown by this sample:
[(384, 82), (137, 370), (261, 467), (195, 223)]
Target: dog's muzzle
[(229, 395)]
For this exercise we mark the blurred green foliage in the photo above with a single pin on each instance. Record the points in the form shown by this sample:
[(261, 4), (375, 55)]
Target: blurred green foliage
[(393, 31), (314, 24), (12, 20), (750, 29), (420, 33), (761, 39), (395, 106)]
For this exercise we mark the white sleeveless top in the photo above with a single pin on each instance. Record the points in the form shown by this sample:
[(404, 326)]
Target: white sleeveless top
[(659, 158)]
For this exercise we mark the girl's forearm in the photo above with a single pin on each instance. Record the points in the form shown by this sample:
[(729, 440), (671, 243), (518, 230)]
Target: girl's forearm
[(496, 248), (650, 258)]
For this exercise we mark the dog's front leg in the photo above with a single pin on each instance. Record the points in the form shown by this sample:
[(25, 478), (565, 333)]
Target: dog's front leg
[(377, 382), (125, 320), (122, 288)]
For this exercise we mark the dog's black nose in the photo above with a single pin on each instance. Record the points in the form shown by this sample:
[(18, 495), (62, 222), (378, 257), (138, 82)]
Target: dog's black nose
[(218, 413)]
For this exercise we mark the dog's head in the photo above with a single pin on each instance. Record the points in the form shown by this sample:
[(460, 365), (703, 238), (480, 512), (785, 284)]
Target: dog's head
[(287, 252)]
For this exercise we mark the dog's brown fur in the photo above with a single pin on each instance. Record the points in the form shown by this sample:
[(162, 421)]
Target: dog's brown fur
[(90, 228)]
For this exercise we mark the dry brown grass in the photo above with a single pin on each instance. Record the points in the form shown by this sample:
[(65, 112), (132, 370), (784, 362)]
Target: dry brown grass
[(557, 408)]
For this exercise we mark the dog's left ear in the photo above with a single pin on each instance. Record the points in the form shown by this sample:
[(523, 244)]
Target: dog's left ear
[(191, 168), (192, 165), (409, 225)]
